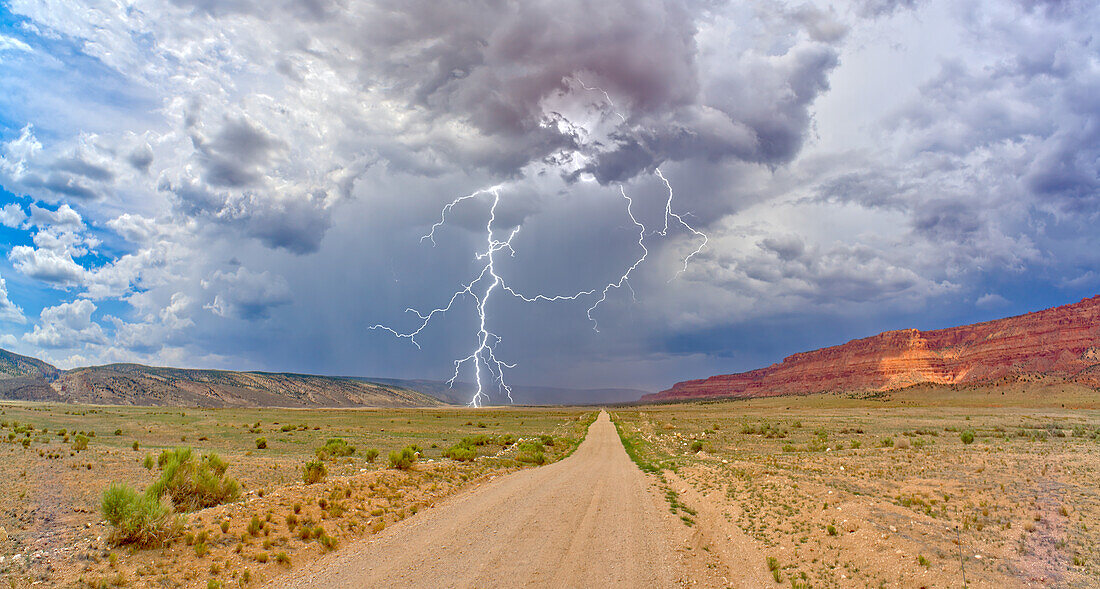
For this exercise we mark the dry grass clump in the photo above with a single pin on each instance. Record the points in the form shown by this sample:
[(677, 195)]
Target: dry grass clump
[(193, 484), (138, 519), (404, 458), (314, 472), (335, 448)]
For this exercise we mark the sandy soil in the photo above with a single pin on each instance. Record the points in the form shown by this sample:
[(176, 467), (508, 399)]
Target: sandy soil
[(590, 520)]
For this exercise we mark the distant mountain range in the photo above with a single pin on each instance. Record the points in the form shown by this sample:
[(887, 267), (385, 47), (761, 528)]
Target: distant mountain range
[(462, 392), (1062, 342), (25, 378), (31, 379)]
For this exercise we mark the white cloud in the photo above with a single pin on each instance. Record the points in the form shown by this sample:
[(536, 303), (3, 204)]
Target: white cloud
[(68, 325), (12, 215), (12, 44), (9, 311), (47, 265), (991, 300)]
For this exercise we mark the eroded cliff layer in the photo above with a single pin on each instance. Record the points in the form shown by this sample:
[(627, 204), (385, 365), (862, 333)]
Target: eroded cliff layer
[(1063, 341)]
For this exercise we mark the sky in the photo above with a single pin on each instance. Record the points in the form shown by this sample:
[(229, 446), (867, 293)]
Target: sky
[(245, 184)]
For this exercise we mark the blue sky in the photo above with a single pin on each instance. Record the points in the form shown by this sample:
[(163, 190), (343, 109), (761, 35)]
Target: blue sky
[(245, 184)]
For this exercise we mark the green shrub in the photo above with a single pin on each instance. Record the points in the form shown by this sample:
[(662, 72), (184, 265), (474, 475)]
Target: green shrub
[(333, 448), (460, 452), (831, 529), (887, 442), (404, 458), (967, 437), (136, 446), (148, 462), (255, 526), (138, 519), (549, 440), (314, 472), (370, 454), (80, 443), (533, 457), (261, 443), (696, 446), (118, 432), (194, 484)]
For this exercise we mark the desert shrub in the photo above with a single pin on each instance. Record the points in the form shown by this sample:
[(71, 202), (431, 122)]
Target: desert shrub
[(261, 443), (921, 560), (902, 443), (335, 447), (404, 458), (327, 541), (137, 519), (460, 452), (831, 529), (697, 446), (535, 457), (549, 440), (80, 443), (886, 442), (118, 432), (282, 558), (255, 526), (314, 472), (194, 484), (136, 446), (225, 526), (148, 462), (967, 437), (370, 454), (478, 440), (531, 453)]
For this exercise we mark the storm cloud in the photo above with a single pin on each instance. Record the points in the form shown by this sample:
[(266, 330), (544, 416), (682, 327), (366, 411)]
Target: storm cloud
[(245, 184)]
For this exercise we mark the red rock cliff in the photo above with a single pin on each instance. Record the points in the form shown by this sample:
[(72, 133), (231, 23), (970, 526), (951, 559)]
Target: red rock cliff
[(1063, 341)]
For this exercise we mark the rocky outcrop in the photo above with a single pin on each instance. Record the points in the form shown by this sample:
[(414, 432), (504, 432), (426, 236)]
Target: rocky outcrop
[(1062, 342)]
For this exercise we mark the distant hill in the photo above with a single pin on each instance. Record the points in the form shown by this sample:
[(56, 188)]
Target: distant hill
[(1062, 342), (462, 392), (25, 378)]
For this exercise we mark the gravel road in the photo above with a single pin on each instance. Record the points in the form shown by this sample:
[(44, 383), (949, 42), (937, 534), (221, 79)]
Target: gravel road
[(590, 520)]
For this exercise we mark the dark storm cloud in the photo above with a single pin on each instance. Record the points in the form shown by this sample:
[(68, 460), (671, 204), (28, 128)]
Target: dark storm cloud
[(492, 66), (238, 154), (875, 8), (293, 222), (141, 158)]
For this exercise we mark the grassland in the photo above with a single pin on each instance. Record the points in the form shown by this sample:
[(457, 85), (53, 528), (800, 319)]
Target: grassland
[(888, 489), (52, 531)]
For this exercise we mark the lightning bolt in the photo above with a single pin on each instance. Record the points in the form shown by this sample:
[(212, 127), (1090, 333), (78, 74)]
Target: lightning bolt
[(484, 356)]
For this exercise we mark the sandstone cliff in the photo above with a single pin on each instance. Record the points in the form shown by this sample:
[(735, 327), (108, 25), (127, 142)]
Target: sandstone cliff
[(1062, 342)]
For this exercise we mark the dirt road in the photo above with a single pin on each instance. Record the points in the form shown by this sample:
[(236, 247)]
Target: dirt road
[(590, 520)]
